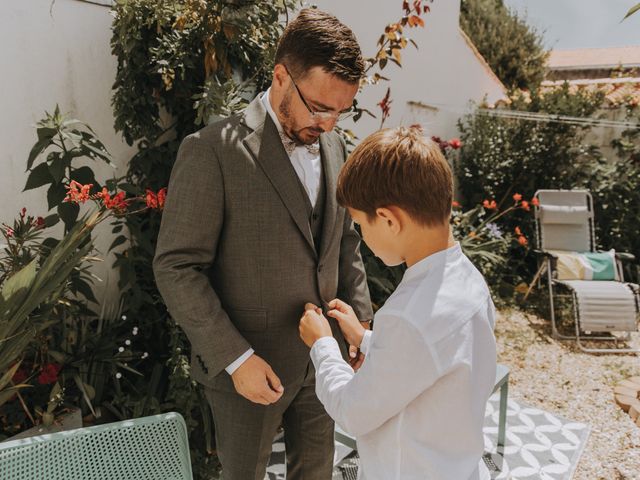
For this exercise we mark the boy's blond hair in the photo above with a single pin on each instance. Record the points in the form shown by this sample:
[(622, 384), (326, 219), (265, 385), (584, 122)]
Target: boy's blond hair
[(398, 167)]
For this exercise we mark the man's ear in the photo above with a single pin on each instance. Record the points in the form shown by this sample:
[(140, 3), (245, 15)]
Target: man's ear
[(391, 217), (280, 75)]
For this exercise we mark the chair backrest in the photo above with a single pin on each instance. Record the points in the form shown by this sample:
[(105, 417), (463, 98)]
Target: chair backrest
[(564, 220), (147, 448)]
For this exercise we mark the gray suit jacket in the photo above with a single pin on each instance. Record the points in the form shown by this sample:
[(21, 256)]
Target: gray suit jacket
[(235, 260)]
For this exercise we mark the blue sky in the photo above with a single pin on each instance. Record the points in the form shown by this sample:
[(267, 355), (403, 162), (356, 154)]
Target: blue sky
[(582, 23)]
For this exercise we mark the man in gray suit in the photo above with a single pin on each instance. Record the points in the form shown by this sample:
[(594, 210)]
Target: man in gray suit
[(251, 231)]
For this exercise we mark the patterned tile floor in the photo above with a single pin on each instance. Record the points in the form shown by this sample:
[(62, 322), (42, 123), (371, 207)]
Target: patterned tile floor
[(539, 446)]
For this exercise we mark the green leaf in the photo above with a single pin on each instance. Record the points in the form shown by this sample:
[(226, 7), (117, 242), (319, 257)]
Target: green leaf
[(51, 220), (57, 168), (68, 214), (39, 147), (56, 194), (84, 175), (120, 239), (632, 10), (38, 177), (46, 133)]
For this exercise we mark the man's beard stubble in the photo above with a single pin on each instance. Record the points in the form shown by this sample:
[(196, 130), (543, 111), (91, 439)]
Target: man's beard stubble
[(288, 124)]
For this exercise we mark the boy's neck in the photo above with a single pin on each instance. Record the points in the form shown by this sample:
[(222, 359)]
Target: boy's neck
[(425, 241)]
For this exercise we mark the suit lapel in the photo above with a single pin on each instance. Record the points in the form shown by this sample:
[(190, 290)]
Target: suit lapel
[(331, 152), (266, 147)]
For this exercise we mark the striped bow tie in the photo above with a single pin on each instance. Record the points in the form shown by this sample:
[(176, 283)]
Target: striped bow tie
[(290, 145)]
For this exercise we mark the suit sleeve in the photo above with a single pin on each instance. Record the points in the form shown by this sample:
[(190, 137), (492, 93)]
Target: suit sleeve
[(187, 242), (352, 281)]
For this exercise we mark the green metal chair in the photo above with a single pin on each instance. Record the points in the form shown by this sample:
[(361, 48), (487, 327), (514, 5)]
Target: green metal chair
[(147, 448), (501, 383)]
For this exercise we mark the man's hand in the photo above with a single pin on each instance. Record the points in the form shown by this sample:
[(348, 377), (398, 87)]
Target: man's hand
[(257, 382), (313, 325), (351, 327)]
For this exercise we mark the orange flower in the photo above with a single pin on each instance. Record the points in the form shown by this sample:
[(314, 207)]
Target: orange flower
[(118, 203), (455, 143), (525, 205), (162, 195), (535, 201), (77, 193), (455, 204), (522, 240), (518, 231), (490, 205), (151, 199), (517, 197), (472, 234)]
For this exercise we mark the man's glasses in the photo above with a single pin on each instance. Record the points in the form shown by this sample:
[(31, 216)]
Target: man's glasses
[(318, 115)]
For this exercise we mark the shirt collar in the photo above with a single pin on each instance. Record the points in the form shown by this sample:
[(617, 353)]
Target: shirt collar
[(270, 111), (439, 258)]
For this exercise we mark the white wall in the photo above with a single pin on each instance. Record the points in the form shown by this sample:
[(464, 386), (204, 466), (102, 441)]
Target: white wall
[(53, 52), (443, 72)]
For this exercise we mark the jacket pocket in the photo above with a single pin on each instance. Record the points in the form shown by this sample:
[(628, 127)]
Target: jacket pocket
[(248, 319)]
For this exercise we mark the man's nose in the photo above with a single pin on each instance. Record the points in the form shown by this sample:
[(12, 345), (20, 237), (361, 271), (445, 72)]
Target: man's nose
[(328, 124)]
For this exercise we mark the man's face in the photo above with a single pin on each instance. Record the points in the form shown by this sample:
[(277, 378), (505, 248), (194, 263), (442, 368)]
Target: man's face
[(325, 94)]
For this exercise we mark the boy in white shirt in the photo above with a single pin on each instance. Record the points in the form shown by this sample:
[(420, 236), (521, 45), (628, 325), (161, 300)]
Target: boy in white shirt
[(416, 406)]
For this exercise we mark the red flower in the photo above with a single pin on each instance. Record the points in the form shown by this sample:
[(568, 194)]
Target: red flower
[(162, 195), (535, 201), (20, 376), (517, 197), (490, 205), (525, 205), (40, 222), (455, 143), (10, 232), (49, 373), (518, 231), (118, 203), (23, 212), (455, 204), (151, 199), (522, 240), (77, 193)]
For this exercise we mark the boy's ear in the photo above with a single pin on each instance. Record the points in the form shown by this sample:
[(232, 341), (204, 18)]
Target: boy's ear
[(391, 217)]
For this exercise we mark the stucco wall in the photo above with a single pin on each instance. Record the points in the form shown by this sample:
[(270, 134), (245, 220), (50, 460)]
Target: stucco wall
[(53, 52)]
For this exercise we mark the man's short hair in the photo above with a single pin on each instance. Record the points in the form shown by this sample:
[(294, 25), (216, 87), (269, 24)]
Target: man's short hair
[(318, 39), (398, 167)]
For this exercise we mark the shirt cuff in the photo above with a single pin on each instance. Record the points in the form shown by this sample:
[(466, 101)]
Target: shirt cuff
[(240, 360), (324, 347), (366, 342)]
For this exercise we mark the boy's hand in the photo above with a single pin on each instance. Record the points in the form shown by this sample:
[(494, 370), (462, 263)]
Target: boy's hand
[(351, 327), (313, 325)]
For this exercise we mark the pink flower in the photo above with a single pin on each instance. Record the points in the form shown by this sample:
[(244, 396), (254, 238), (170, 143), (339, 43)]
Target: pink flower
[(455, 143), (517, 197)]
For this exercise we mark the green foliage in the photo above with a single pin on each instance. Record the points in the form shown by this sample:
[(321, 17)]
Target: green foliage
[(513, 49), (28, 295), (67, 141), (181, 63), (615, 187), (503, 156)]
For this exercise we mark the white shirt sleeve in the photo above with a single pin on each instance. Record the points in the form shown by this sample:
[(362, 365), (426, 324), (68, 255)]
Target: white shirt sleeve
[(399, 366), (239, 361), (366, 342)]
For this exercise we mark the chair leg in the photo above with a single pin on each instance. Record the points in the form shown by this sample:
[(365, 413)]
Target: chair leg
[(502, 422)]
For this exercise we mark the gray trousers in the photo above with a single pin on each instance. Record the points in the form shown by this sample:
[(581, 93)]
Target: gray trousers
[(245, 433)]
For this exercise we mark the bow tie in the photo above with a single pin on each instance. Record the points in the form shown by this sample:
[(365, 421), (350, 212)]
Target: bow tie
[(290, 145)]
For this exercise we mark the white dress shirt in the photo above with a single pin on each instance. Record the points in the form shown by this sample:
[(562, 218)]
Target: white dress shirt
[(417, 404), (308, 167)]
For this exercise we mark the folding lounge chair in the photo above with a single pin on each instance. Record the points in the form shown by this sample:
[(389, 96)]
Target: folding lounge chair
[(566, 237), (146, 448)]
